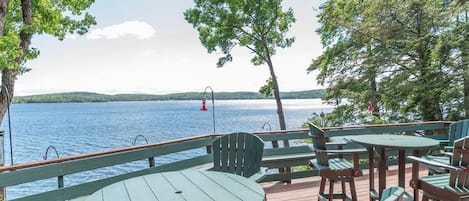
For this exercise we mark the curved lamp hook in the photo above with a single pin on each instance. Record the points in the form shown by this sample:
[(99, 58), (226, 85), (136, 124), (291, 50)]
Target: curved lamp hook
[(204, 108), (140, 136), (47, 151), (268, 126)]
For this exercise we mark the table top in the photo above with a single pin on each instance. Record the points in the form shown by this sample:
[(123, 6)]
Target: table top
[(182, 185), (395, 141)]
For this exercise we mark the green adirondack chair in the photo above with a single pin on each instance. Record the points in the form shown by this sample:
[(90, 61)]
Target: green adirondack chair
[(239, 153), (334, 169), (457, 130), (452, 186)]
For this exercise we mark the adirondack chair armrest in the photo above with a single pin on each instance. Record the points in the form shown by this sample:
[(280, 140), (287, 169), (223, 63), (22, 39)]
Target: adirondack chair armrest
[(339, 151), (344, 151), (433, 163), (259, 175), (448, 148), (449, 154)]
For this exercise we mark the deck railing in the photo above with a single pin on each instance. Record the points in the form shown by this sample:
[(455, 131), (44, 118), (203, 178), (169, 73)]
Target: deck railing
[(298, 154)]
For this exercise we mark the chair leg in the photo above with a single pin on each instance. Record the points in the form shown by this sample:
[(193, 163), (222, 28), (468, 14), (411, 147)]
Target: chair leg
[(321, 188), (331, 189), (424, 197), (344, 195), (353, 191)]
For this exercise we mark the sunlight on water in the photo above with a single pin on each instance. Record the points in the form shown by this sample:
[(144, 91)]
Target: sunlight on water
[(78, 128)]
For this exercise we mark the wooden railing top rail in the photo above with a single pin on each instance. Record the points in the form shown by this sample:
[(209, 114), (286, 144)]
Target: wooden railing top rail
[(386, 125), (277, 132), (101, 153), (125, 149)]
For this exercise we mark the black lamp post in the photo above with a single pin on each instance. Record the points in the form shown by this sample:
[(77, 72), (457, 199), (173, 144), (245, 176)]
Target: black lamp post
[(322, 115), (204, 105)]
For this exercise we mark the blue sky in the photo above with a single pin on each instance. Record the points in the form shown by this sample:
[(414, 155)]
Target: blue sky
[(146, 46)]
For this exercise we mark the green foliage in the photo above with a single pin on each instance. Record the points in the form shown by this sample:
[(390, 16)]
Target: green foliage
[(261, 26), (401, 56), (267, 88), (9, 50), (56, 18)]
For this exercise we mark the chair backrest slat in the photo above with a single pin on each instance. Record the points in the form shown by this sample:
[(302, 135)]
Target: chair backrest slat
[(238, 153), (224, 153), (459, 179), (232, 149), (216, 156), (458, 130), (319, 144), (463, 182)]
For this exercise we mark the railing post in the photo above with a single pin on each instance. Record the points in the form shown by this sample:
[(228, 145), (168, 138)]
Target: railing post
[(2, 159), (60, 181), (151, 162)]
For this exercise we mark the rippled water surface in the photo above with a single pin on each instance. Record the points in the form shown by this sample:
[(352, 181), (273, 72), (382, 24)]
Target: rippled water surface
[(77, 128)]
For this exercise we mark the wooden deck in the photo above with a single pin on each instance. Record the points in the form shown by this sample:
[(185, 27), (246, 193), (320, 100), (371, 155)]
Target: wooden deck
[(307, 189)]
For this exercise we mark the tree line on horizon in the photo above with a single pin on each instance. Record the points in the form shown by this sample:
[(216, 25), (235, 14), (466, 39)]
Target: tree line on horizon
[(81, 97)]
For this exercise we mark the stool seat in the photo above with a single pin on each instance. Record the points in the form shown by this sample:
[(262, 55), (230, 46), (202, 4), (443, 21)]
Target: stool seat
[(334, 169)]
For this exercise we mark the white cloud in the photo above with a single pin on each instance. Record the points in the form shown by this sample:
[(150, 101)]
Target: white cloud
[(137, 29)]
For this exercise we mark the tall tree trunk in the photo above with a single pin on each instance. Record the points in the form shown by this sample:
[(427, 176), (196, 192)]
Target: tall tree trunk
[(3, 13), (8, 88), (281, 116), (3, 94), (9, 75), (465, 65), (374, 98), (276, 91), (373, 85)]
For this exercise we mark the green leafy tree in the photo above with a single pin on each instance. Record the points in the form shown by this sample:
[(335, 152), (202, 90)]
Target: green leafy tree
[(348, 65), (20, 20), (461, 32), (258, 25), (398, 56)]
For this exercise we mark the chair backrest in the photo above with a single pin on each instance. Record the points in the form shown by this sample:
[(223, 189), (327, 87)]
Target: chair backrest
[(319, 144), (458, 130), (238, 153), (458, 179)]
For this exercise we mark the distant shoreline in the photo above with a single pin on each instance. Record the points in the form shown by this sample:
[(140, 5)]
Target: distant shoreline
[(84, 97)]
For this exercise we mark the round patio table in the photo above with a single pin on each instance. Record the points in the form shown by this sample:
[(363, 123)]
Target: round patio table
[(379, 143), (182, 185)]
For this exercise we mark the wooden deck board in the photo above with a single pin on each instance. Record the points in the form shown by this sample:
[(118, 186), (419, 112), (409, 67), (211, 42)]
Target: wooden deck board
[(306, 189)]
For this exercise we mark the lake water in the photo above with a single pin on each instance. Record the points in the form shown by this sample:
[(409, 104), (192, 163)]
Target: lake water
[(77, 128)]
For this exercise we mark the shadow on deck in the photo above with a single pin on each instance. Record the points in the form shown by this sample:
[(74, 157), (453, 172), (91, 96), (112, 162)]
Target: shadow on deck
[(306, 189)]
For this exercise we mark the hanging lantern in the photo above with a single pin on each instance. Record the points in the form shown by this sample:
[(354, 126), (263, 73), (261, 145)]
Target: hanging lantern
[(370, 107), (204, 106)]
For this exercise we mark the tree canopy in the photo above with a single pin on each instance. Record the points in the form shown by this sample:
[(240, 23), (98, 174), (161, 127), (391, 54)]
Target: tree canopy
[(260, 26), (21, 20), (394, 60)]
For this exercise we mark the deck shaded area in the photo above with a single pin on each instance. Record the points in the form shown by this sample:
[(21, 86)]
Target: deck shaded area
[(306, 189)]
